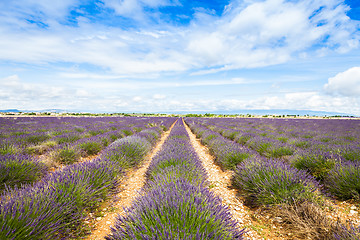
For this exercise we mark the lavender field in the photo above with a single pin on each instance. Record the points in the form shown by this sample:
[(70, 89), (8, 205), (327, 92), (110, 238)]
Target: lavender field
[(302, 176)]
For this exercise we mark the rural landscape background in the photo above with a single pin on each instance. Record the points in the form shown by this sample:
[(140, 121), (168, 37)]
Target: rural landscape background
[(180, 56), (179, 120)]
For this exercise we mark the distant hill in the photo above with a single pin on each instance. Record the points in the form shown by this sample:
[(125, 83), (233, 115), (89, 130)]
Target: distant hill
[(9, 110), (260, 112), (28, 111)]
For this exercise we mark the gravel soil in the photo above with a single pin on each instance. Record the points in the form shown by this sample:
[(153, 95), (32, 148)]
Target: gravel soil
[(220, 184)]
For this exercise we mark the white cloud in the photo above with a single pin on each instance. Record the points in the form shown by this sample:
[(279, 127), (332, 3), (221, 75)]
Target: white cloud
[(295, 101), (11, 81), (247, 35), (346, 83), (15, 93), (41, 11), (126, 8), (19, 94), (83, 93), (78, 75), (255, 34), (159, 96), (135, 8), (137, 99)]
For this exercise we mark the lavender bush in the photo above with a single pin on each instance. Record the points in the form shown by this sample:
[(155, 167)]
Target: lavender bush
[(65, 154), (177, 210), (274, 182), (129, 151), (317, 162), (347, 233), (8, 148), (177, 160), (343, 180), (351, 153), (228, 153), (91, 148), (54, 208), (16, 170)]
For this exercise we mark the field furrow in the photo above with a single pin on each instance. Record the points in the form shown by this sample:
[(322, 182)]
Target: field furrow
[(220, 184)]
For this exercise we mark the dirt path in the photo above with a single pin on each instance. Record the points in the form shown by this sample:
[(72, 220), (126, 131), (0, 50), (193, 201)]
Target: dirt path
[(134, 181), (219, 184)]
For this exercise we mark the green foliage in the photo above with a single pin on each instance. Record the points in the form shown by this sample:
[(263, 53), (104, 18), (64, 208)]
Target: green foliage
[(35, 139), (208, 138), (316, 163), (105, 141), (8, 148), (280, 151), (232, 159), (272, 182), (127, 132), (16, 170), (137, 129), (283, 139), (343, 181), (66, 155), (116, 135), (303, 144), (40, 149), (68, 139), (232, 135), (129, 153), (96, 132), (80, 130), (260, 147), (91, 148), (351, 154), (242, 139)]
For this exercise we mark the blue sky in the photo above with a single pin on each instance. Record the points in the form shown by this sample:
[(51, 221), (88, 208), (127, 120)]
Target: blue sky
[(179, 55)]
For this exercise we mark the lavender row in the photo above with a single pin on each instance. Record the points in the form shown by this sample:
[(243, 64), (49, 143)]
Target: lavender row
[(175, 202), (56, 207)]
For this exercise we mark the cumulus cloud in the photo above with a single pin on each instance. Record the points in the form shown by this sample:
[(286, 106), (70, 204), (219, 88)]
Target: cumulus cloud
[(249, 34), (136, 9), (137, 99), (295, 101), (254, 34), (40, 12), (345, 83), (16, 93), (159, 96)]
